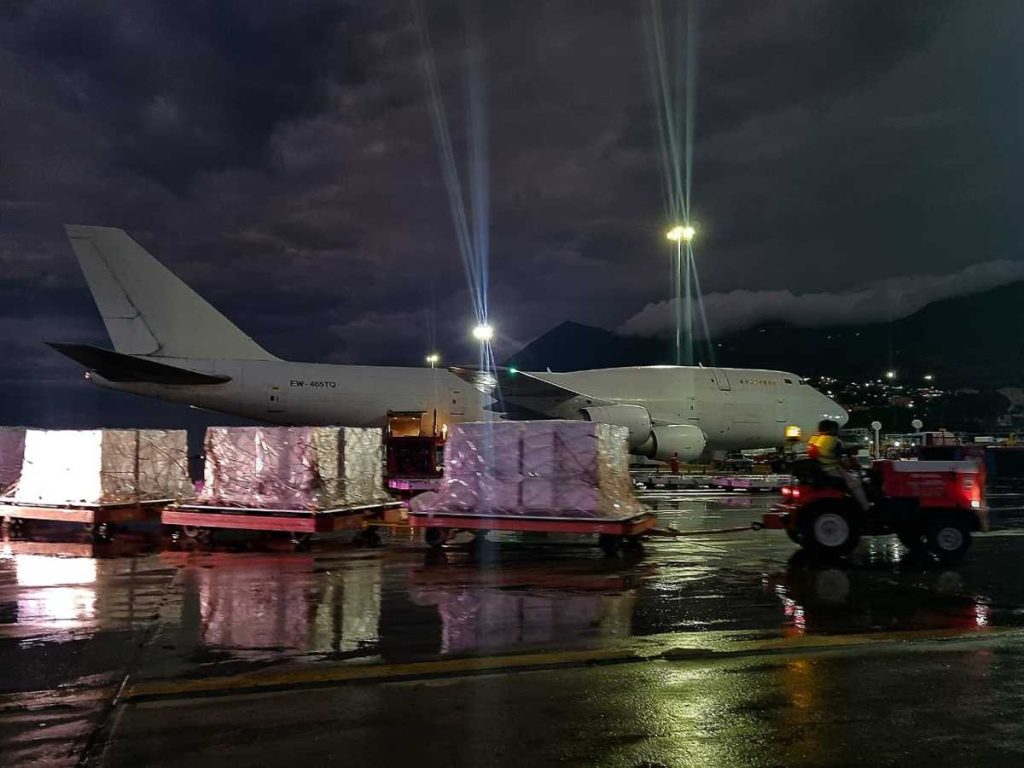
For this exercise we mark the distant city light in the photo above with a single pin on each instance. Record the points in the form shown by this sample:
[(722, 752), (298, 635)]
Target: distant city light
[(483, 332), (685, 233), (929, 377), (890, 375), (433, 359)]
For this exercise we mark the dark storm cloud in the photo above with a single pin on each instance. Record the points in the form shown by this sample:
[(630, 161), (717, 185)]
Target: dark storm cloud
[(279, 157), (190, 86)]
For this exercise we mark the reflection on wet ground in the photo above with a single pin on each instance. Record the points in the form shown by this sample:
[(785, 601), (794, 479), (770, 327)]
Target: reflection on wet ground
[(397, 603), (74, 615)]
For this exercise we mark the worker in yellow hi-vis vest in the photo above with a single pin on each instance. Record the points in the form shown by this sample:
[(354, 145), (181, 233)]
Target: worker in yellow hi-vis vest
[(826, 449)]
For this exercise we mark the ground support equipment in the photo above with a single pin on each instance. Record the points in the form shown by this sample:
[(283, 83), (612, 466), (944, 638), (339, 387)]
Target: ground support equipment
[(100, 520), (439, 527), (198, 521)]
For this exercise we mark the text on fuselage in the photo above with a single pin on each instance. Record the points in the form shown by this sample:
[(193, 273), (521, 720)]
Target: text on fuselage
[(300, 383)]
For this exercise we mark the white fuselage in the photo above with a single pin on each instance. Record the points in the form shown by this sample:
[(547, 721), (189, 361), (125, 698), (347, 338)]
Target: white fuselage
[(735, 408)]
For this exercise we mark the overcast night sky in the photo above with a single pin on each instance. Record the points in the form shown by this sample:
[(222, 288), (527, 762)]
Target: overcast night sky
[(279, 157)]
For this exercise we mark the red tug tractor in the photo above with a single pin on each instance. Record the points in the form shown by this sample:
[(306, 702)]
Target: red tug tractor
[(927, 504)]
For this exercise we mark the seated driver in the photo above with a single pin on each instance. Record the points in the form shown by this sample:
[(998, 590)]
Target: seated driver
[(826, 449)]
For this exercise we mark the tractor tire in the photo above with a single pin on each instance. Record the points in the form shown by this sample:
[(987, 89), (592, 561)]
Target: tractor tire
[(829, 529), (795, 536), (949, 538)]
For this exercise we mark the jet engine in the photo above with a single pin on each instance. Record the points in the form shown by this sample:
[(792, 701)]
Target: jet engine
[(635, 418), (684, 439), (647, 440)]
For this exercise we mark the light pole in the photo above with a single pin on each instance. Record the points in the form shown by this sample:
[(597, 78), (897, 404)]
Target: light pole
[(877, 427), (679, 234), (433, 359)]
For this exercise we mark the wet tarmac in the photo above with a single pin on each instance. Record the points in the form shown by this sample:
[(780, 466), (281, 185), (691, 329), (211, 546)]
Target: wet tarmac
[(724, 649)]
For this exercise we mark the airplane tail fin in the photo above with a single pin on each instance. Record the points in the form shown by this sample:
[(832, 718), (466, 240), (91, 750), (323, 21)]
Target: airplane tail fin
[(147, 309)]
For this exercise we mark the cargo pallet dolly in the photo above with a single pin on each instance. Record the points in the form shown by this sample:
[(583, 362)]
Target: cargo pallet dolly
[(439, 527), (198, 521), (100, 520)]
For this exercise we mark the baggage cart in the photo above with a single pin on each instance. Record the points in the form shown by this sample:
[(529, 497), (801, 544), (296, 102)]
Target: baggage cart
[(612, 534)]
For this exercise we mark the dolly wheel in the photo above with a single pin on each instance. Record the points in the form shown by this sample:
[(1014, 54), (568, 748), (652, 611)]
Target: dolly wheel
[(301, 539), (609, 543), (634, 543), (949, 538), (368, 537), (436, 537), (195, 533)]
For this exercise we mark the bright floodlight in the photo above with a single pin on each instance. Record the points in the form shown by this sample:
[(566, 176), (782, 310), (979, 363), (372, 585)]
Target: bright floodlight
[(433, 358), (483, 332), (928, 377), (890, 375), (685, 233)]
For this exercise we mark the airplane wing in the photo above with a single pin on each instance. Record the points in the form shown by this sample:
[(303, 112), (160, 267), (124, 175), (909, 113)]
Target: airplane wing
[(514, 389), (115, 366)]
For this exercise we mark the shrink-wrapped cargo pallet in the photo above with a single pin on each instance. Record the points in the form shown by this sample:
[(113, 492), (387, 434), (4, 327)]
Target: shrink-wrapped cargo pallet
[(307, 468), (12, 453), (556, 468), (101, 466)]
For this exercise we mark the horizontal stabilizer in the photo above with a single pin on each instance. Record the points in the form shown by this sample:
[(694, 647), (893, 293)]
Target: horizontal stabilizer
[(518, 388), (114, 366)]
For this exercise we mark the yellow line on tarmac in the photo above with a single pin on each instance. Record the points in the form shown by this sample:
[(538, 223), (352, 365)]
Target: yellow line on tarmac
[(665, 647), (377, 672)]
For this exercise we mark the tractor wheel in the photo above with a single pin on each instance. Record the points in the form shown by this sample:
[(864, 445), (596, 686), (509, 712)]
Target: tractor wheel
[(830, 529), (949, 538), (795, 536)]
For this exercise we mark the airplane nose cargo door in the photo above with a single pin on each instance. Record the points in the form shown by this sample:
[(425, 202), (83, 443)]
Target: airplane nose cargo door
[(722, 379)]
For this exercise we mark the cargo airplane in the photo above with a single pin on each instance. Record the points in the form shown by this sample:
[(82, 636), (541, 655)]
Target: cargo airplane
[(169, 343)]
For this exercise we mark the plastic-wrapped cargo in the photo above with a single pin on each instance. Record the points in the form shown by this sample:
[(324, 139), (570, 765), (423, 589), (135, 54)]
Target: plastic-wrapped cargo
[(100, 466), (555, 468), (307, 468), (12, 453), (163, 464)]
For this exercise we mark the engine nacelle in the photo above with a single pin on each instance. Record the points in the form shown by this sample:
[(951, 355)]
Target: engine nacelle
[(684, 439), (635, 418)]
